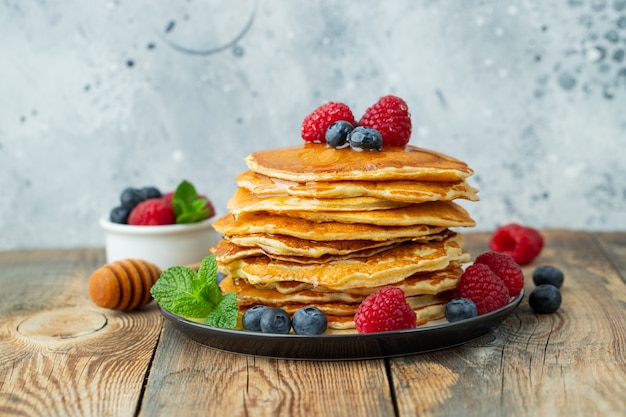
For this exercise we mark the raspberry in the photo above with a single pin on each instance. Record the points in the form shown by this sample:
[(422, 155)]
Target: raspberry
[(314, 126), (390, 116), (385, 310), (506, 268), (152, 212), (521, 242), (481, 285)]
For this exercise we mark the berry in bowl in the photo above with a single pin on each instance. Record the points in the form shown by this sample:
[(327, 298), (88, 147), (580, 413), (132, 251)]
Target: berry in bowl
[(167, 229)]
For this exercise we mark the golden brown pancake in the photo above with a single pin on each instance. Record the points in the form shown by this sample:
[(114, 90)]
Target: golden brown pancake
[(282, 245), (433, 213), (314, 225), (385, 268), (243, 201), (261, 222), (226, 252), (429, 283), (319, 162), (292, 249), (403, 190)]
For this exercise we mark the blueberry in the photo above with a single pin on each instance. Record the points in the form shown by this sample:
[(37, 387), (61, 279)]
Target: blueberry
[(548, 275), (545, 299), (120, 215), (252, 317), (309, 320), (150, 192), (362, 138), (275, 320), (337, 134), (460, 309), (130, 197)]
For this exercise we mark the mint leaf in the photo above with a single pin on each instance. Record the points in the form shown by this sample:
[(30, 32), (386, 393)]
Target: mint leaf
[(180, 291), (208, 273), (188, 206), (225, 313), (192, 294)]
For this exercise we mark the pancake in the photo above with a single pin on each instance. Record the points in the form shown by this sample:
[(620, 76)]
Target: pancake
[(403, 190), (419, 284), (318, 162), (434, 213), (282, 245), (261, 222), (243, 201), (385, 268), (227, 252), (315, 225)]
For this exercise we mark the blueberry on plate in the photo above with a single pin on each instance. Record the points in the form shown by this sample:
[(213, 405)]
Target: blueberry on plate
[(337, 134), (309, 320), (460, 309), (251, 319), (545, 299), (365, 138), (547, 274), (275, 320)]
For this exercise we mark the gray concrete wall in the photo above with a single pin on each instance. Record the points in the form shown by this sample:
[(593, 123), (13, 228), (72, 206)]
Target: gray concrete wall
[(97, 96)]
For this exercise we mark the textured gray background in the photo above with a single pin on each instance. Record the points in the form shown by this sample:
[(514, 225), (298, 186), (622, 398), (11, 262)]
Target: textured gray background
[(97, 96)]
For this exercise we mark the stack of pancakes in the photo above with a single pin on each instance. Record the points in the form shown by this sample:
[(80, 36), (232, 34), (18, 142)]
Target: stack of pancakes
[(315, 225)]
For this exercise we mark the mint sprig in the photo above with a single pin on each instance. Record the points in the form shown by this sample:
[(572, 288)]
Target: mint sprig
[(188, 206), (192, 294)]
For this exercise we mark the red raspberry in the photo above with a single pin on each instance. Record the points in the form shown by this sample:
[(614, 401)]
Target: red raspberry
[(481, 285), (152, 212), (314, 126), (506, 268), (385, 310), (521, 242), (169, 197), (390, 116)]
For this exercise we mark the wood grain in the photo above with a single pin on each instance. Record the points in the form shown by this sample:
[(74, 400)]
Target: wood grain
[(614, 247), (60, 354), (570, 363), (237, 385)]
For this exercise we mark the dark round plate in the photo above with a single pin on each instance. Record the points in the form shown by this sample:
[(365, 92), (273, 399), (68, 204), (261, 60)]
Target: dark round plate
[(436, 335)]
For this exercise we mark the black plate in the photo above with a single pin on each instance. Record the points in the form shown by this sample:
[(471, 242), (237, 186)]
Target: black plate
[(436, 335)]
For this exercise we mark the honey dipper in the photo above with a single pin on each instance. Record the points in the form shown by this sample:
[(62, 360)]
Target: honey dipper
[(123, 284)]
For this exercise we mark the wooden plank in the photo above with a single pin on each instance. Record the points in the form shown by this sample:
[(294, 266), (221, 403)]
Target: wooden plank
[(614, 247), (60, 355), (570, 363), (189, 379)]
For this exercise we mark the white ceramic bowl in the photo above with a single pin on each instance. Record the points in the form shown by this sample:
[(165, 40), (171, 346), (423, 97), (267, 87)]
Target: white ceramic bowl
[(165, 246)]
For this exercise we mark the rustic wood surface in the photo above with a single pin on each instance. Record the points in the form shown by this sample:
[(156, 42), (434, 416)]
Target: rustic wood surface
[(60, 355)]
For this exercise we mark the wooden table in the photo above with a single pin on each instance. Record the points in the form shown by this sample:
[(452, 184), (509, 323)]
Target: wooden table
[(60, 355)]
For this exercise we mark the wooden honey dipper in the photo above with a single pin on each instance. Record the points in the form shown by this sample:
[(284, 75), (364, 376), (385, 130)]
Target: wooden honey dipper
[(123, 284)]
